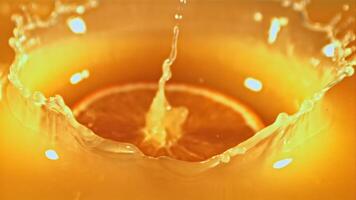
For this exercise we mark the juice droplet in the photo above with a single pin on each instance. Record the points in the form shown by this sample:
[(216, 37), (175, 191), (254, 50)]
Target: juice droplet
[(163, 122), (80, 9), (346, 7), (51, 154), (314, 61), (257, 16), (77, 25), (349, 71), (275, 27), (282, 163), (178, 16), (329, 50), (225, 158), (253, 84), (183, 1), (78, 77)]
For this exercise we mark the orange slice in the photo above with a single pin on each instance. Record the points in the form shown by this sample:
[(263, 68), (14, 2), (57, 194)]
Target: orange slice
[(214, 124)]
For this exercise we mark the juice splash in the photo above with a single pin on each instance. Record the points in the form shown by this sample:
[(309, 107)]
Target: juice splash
[(164, 122), (55, 106)]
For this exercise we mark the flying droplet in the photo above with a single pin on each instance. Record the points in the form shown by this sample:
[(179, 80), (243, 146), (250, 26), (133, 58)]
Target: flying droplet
[(286, 3), (51, 154), (178, 16), (77, 25), (329, 50), (275, 27), (257, 16), (253, 84), (80, 9), (346, 7), (78, 77), (282, 163), (349, 71), (183, 1)]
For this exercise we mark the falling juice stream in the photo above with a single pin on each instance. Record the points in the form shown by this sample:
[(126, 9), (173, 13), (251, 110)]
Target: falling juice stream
[(161, 116)]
